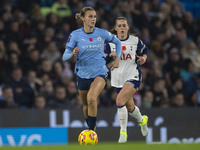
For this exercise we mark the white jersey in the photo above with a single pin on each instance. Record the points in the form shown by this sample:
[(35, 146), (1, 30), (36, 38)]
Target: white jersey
[(128, 68)]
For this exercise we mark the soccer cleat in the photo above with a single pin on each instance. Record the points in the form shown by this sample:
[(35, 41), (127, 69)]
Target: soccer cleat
[(144, 127), (122, 137)]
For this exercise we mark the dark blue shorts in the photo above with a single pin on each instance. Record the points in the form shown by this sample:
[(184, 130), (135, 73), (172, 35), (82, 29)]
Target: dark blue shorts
[(84, 84), (134, 83)]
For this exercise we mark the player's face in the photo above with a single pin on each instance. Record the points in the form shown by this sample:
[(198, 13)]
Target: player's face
[(90, 18), (122, 27)]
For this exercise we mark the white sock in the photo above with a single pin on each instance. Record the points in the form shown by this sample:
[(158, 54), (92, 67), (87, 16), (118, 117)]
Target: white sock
[(136, 114), (123, 117)]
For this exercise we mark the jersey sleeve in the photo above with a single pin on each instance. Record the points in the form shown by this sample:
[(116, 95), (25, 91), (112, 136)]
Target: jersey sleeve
[(111, 38), (70, 45), (141, 48), (107, 51)]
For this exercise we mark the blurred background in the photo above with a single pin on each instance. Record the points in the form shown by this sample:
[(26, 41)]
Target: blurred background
[(36, 85)]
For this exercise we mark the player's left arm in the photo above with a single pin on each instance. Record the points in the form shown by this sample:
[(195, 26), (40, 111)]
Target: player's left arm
[(142, 52), (111, 38)]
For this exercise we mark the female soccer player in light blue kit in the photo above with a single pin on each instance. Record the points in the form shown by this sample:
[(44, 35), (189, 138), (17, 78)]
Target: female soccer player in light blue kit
[(127, 77), (87, 44)]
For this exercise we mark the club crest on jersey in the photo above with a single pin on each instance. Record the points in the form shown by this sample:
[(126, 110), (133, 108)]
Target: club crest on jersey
[(123, 48), (90, 39), (99, 38)]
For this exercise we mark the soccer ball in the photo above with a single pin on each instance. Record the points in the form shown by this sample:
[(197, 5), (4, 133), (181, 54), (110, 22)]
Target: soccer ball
[(87, 137)]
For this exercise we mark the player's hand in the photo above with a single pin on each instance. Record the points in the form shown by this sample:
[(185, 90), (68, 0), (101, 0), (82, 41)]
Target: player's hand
[(112, 54), (114, 64), (75, 51), (142, 59)]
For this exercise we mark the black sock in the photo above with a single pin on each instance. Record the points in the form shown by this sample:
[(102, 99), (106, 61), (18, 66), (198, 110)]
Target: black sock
[(86, 119), (92, 122)]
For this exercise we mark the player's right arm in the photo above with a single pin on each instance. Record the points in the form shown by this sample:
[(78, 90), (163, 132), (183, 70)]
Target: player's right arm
[(70, 49)]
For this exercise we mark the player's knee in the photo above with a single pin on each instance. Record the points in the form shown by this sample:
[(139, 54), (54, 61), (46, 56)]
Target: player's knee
[(91, 101)]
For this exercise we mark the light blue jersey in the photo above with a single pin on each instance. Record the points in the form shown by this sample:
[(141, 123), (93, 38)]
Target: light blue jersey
[(91, 58)]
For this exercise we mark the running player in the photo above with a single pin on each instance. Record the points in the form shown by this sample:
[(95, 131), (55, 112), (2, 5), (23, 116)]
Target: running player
[(127, 77), (87, 44)]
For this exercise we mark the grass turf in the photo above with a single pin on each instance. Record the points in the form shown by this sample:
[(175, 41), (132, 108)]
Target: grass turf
[(111, 146)]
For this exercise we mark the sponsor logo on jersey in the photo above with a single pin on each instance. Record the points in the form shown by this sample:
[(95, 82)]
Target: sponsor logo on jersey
[(125, 56), (90, 39), (91, 46), (99, 38)]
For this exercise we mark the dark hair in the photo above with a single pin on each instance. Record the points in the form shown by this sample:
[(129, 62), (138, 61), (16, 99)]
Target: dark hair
[(60, 86), (39, 96), (5, 87), (83, 11), (16, 68), (113, 31)]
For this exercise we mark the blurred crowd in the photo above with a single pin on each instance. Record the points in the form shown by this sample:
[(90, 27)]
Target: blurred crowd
[(33, 34)]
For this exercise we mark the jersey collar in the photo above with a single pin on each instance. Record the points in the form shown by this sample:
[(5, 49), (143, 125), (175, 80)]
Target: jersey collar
[(88, 33), (124, 39)]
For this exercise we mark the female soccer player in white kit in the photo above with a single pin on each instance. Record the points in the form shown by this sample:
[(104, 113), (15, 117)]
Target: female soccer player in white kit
[(127, 77)]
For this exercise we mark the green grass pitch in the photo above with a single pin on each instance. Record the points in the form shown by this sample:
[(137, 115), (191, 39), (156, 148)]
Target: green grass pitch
[(112, 146)]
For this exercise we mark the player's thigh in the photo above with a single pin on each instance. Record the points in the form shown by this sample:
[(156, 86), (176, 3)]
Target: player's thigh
[(96, 87), (126, 93), (83, 96)]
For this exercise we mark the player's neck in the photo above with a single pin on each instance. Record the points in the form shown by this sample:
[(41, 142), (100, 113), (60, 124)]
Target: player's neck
[(122, 37), (88, 29)]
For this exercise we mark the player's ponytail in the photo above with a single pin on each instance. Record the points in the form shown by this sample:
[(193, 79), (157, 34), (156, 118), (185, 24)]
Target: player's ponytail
[(78, 16), (83, 11)]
